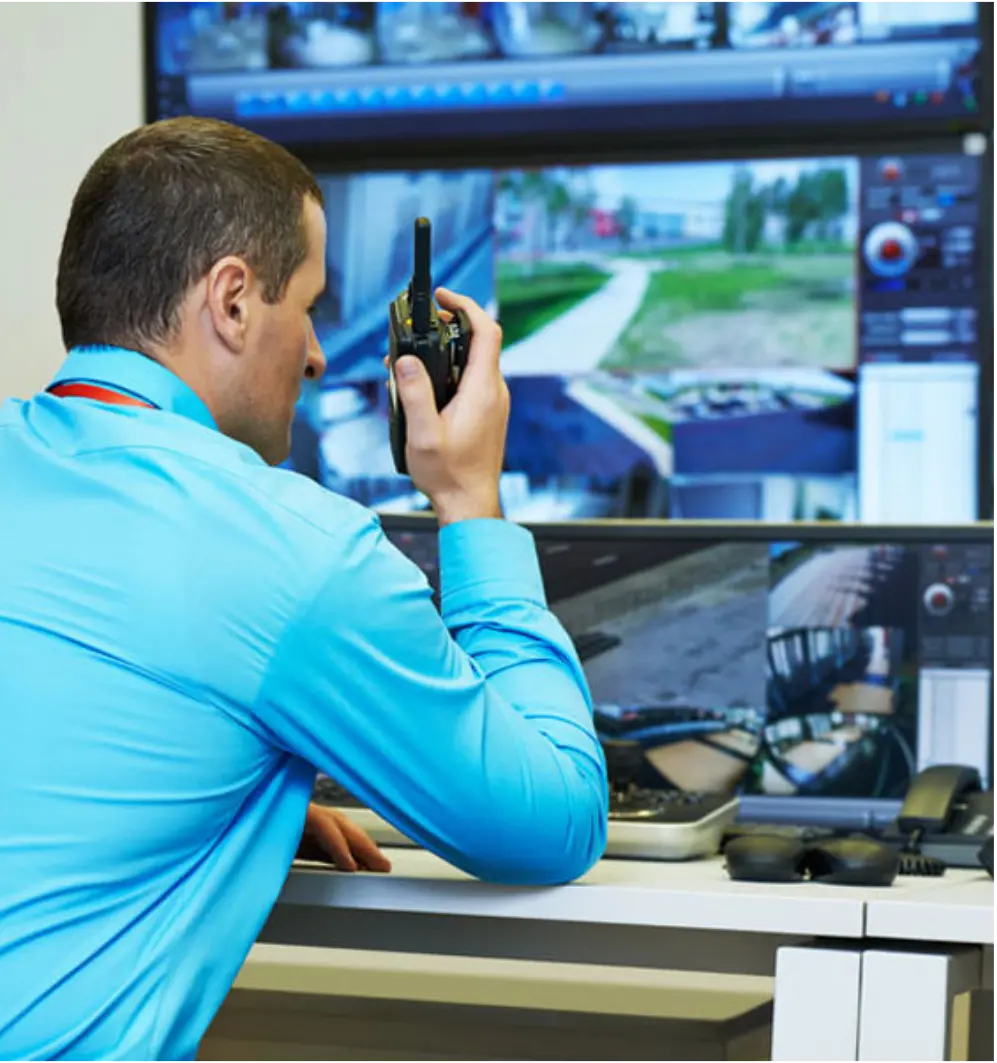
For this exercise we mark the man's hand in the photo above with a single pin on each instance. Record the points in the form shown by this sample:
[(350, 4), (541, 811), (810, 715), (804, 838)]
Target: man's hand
[(455, 456), (331, 837)]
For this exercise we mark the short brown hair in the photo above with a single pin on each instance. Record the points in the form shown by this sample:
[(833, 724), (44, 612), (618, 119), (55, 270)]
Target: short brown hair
[(158, 208)]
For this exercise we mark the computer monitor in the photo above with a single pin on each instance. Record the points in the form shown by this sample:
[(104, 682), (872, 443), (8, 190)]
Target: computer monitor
[(811, 669), (421, 77), (767, 339)]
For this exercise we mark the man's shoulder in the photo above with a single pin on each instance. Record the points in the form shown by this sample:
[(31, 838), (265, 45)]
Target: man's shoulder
[(288, 530), (251, 491), (302, 501), (286, 495)]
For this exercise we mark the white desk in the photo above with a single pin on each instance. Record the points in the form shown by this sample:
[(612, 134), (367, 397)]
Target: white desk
[(652, 915), (959, 909), (696, 895), (930, 945)]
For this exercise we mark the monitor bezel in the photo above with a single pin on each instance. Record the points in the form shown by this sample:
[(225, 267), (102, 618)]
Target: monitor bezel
[(432, 151), (855, 813), (735, 531), (985, 338)]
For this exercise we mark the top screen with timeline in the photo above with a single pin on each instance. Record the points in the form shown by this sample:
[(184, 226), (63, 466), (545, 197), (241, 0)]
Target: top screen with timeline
[(324, 73)]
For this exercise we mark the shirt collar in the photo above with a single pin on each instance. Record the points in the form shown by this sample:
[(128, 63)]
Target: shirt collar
[(134, 374)]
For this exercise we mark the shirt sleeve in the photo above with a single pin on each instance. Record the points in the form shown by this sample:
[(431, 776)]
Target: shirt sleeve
[(469, 729)]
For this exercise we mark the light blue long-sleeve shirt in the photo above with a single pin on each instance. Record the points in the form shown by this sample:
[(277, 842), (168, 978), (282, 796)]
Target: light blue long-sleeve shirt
[(187, 634)]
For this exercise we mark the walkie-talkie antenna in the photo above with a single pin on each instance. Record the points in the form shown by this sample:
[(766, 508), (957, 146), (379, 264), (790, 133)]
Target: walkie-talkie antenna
[(422, 282)]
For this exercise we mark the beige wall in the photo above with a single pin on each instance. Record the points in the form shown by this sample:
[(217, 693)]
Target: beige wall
[(70, 82)]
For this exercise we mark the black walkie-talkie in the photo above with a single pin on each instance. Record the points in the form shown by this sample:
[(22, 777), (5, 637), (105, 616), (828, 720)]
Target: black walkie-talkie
[(415, 327)]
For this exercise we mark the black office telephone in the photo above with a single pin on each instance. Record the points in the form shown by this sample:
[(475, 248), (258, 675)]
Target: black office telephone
[(936, 802), (986, 855), (945, 820)]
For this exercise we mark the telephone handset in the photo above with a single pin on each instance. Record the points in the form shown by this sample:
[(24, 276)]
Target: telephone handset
[(986, 855), (936, 801), (944, 808)]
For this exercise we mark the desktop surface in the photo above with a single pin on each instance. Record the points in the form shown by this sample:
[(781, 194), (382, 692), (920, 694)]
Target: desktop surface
[(698, 895)]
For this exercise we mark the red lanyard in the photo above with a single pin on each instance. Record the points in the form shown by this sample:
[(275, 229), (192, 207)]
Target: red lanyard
[(92, 391)]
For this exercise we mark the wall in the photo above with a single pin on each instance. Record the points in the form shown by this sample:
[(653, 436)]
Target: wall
[(70, 81)]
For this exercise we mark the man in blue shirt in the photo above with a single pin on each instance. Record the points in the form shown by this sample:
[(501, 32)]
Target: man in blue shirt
[(187, 633)]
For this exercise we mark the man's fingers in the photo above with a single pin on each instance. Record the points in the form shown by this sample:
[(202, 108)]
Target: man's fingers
[(332, 836), (453, 301), (324, 827), (415, 390), (486, 337), (480, 322), (363, 847)]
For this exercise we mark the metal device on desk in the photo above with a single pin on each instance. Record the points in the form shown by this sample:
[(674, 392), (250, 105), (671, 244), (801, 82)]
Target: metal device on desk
[(656, 824)]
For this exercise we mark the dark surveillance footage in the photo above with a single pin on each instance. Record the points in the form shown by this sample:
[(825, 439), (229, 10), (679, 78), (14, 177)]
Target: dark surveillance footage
[(780, 669), (843, 671), (315, 75), (208, 38), (674, 653)]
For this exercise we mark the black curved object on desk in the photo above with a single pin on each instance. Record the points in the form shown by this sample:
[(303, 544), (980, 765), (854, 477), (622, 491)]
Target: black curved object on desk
[(986, 855), (854, 861)]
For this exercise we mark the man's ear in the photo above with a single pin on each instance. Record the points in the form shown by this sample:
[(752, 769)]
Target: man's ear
[(227, 298)]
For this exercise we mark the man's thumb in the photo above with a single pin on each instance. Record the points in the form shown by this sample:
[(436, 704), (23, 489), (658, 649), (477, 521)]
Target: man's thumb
[(416, 393)]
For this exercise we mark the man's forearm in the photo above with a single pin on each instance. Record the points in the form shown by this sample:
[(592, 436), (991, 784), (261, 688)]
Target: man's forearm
[(476, 741), (493, 605)]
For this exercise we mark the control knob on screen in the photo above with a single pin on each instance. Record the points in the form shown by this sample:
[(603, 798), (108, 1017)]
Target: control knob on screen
[(891, 169), (939, 599), (890, 249)]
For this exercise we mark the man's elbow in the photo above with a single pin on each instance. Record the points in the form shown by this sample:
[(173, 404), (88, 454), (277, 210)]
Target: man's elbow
[(548, 846), (585, 847)]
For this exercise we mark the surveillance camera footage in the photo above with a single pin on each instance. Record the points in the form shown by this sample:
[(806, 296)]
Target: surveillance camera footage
[(679, 265), (814, 585), (322, 73), (793, 25), (842, 678), (782, 669), (688, 340), (698, 706)]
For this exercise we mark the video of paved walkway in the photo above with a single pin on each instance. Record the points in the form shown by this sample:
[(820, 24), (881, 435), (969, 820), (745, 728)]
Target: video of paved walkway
[(680, 265), (674, 651), (816, 585)]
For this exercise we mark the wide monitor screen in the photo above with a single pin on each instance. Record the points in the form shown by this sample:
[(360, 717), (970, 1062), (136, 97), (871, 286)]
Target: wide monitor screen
[(791, 663), (769, 339), (412, 73)]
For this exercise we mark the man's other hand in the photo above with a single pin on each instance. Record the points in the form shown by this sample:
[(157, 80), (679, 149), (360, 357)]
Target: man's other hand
[(332, 838)]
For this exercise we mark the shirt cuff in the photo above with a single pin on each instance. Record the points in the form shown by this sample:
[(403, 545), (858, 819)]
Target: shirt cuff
[(490, 560)]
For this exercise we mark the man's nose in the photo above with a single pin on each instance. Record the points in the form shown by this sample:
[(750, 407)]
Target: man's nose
[(315, 362)]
